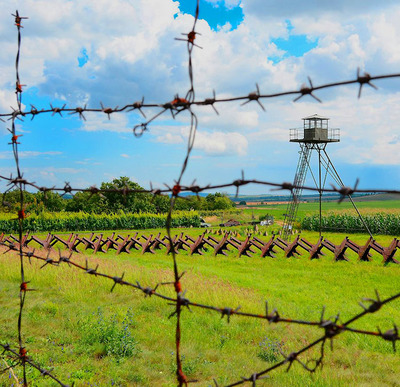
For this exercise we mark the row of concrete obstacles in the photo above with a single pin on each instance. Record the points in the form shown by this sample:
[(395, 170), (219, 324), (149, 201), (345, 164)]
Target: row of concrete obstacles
[(149, 244)]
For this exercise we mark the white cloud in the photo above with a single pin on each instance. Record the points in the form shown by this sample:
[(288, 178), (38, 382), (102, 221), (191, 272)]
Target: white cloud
[(27, 154), (231, 117), (117, 123), (368, 134), (169, 138), (169, 134), (385, 36), (318, 8), (219, 143), (212, 143), (63, 170), (51, 176)]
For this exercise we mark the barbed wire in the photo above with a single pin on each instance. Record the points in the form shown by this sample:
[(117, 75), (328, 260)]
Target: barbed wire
[(178, 105), (177, 188), (20, 358), (22, 352)]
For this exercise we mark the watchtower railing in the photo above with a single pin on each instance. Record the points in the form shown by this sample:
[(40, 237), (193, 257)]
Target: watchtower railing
[(297, 134)]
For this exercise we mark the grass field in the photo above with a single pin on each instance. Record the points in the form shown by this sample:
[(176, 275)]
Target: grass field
[(73, 324), (278, 210)]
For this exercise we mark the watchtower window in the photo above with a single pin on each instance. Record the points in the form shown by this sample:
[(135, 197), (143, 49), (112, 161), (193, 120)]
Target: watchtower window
[(315, 124)]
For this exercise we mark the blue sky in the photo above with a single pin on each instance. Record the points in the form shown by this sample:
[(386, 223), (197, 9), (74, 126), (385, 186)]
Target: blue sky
[(86, 52), (217, 14)]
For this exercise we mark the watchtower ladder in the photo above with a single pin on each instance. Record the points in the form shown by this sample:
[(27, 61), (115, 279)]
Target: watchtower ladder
[(299, 178)]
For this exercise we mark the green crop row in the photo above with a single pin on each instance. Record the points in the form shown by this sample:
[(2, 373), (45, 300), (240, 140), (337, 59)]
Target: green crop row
[(91, 222), (381, 223)]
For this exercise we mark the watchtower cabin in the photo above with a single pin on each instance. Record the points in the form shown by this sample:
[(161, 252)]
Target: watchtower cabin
[(315, 130)]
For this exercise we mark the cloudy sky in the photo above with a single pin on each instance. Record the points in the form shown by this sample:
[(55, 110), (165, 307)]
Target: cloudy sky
[(84, 52)]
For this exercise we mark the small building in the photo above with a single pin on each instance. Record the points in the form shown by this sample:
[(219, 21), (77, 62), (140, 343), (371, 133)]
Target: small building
[(230, 223)]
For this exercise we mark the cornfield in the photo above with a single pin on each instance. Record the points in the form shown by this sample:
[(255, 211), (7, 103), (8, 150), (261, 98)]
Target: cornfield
[(92, 222), (381, 223)]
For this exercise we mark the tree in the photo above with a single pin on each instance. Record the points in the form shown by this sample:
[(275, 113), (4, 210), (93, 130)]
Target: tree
[(219, 201), (113, 202), (161, 203), (130, 202), (12, 199), (191, 202), (49, 201), (86, 202)]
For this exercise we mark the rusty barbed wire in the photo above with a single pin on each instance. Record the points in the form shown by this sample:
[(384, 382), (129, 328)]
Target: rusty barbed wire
[(21, 213), (177, 105), (342, 191), (331, 327), (20, 357), (180, 105)]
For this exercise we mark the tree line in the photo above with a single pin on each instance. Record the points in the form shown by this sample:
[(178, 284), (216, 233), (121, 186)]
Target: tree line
[(112, 202)]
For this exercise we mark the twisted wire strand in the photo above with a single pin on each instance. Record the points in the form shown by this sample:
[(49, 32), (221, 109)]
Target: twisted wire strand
[(179, 104), (342, 191)]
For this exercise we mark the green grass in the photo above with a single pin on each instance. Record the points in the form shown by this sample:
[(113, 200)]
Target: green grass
[(72, 322)]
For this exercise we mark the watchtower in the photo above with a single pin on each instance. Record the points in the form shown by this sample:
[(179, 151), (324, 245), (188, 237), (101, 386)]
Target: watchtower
[(313, 136)]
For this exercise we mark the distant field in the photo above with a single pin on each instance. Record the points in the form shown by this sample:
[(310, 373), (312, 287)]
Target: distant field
[(315, 197), (365, 207)]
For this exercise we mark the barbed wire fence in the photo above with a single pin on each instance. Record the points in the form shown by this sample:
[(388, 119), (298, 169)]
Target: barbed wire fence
[(330, 328)]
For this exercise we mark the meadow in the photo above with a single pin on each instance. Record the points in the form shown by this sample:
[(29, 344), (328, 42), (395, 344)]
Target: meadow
[(90, 336), (311, 208)]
